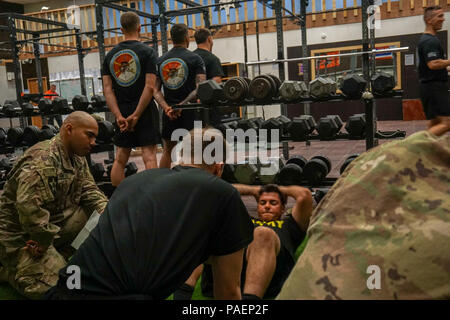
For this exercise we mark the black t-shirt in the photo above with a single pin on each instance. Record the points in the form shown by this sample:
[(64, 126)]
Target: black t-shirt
[(428, 49), (177, 70), (127, 63), (287, 229), (212, 63), (158, 226)]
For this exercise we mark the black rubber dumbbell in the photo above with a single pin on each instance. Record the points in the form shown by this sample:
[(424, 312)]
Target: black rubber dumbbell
[(2, 137), (61, 106), (29, 110), (97, 170), (228, 173), (31, 135), (81, 103), (47, 132), (45, 106), (105, 132), (347, 161), (246, 173), (15, 136), (130, 169), (292, 172), (98, 102), (316, 169)]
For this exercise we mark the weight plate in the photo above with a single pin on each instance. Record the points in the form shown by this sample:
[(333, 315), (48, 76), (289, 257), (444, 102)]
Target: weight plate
[(261, 88), (324, 159), (298, 160), (235, 90)]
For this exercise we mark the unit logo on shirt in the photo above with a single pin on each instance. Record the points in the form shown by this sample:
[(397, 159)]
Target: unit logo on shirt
[(174, 73), (125, 67)]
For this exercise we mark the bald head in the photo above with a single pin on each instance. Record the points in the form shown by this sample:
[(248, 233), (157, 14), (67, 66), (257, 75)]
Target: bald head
[(78, 118), (78, 133)]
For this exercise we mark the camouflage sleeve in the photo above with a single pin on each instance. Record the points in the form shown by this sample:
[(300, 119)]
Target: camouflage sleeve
[(91, 196), (33, 192)]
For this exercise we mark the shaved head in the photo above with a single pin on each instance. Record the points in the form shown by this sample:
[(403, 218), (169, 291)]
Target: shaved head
[(78, 133), (78, 118)]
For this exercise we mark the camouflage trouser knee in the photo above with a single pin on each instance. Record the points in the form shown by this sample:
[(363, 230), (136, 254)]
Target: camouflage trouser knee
[(32, 277)]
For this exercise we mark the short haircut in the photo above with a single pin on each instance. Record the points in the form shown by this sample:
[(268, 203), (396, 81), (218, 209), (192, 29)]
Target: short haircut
[(201, 35), (268, 188), (129, 22), (179, 32), (429, 11), (208, 138)]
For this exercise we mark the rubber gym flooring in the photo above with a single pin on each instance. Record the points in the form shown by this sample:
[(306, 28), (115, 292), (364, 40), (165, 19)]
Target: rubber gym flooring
[(336, 151)]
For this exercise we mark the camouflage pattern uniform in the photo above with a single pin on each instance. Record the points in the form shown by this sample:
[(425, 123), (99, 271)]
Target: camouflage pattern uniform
[(390, 208), (47, 198)]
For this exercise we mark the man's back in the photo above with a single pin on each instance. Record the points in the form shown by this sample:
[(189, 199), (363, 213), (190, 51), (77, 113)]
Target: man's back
[(158, 226), (177, 70), (127, 63), (212, 63)]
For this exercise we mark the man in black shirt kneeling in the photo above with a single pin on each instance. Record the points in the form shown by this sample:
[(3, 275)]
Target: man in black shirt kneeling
[(158, 226)]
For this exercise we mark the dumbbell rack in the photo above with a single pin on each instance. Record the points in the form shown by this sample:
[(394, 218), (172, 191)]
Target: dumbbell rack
[(370, 133)]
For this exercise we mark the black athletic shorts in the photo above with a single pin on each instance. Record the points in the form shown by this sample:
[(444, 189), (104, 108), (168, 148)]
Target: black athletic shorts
[(435, 99), (285, 263), (146, 131), (185, 121)]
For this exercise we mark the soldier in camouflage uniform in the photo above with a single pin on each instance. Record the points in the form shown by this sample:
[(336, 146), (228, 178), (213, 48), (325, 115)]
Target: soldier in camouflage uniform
[(383, 230), (45, 203)]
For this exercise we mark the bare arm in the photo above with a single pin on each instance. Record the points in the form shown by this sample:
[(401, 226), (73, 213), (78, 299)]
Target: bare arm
[(198, 79), (227, 275), (111, 101), (438, 64), (301, 212), (144, 100), (246, 190)]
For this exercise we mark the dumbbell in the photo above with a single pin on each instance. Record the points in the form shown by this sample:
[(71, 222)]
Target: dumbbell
[(223, 127), (316, 169), (329, 126), (97, 170), (61, 106), (332, 85), (347, 162), (47, 132), (353, 85), (210, 92), (130, 169), (264, 87), (98, 102), (269, 169), (272, 124), (319, 194), (14, 136), (292, 172), (301, 127), (29, 109), (45, 106), (105, 131), (11, 108), (293, 90), (6, 164), (285, 124), (81, 103), (319, 88), (31, 135), (247, 124), (228, 173), (2, 137), (258, 121), (236, 89), (356, 126), (246, 173), (382, 82)]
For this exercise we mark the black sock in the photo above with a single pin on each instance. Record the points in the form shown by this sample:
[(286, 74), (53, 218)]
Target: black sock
[(184, 292), (247, 296)]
